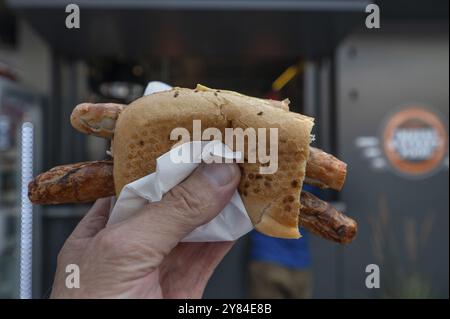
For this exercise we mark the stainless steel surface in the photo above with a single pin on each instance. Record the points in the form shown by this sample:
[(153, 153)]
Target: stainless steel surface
[(377, 72)]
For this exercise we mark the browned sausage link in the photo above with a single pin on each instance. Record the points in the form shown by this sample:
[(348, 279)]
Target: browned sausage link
[(322, 219), (88, 181), (96, 119), (324, 170), (73, 183), (99, 119)]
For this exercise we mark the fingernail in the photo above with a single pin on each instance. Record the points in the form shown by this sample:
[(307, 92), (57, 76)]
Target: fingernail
[(219, 174)]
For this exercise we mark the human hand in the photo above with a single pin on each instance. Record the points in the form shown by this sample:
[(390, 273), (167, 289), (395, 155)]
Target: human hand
[(142, 257)]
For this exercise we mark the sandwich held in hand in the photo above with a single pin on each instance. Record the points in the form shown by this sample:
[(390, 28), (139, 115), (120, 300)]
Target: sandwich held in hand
[(142, 131)]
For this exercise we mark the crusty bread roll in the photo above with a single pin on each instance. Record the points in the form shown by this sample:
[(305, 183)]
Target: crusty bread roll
[(272, 201)]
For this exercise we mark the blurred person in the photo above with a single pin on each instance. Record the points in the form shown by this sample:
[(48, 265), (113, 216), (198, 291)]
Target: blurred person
[(280, 268)]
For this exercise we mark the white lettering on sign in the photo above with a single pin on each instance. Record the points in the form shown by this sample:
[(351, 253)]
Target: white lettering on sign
[(415, 144)]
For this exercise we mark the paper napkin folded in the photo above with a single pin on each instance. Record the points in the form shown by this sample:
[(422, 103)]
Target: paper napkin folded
[(171, 169)]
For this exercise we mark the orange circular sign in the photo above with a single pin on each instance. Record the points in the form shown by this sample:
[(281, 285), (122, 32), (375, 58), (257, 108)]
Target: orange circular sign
[(415, 141)]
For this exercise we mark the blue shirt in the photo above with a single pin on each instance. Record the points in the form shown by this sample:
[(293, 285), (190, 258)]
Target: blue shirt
[(291, 253)]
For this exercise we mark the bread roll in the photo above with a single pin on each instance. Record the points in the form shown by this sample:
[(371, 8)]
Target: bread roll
[(272, 201)]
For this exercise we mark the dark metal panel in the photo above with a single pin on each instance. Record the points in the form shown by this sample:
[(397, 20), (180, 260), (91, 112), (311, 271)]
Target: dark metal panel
[(130, 33), (175, 28), (377, 72)]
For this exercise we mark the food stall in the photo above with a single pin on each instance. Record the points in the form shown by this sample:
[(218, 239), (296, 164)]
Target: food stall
[(353, 80)]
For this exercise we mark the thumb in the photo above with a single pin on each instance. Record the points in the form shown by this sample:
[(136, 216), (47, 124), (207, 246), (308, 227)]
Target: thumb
[(194, 202)]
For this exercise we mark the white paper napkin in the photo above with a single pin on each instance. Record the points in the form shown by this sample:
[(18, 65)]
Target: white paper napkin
[(171, 169)]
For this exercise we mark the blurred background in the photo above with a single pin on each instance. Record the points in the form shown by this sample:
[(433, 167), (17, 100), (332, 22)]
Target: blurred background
[(380, 97)]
